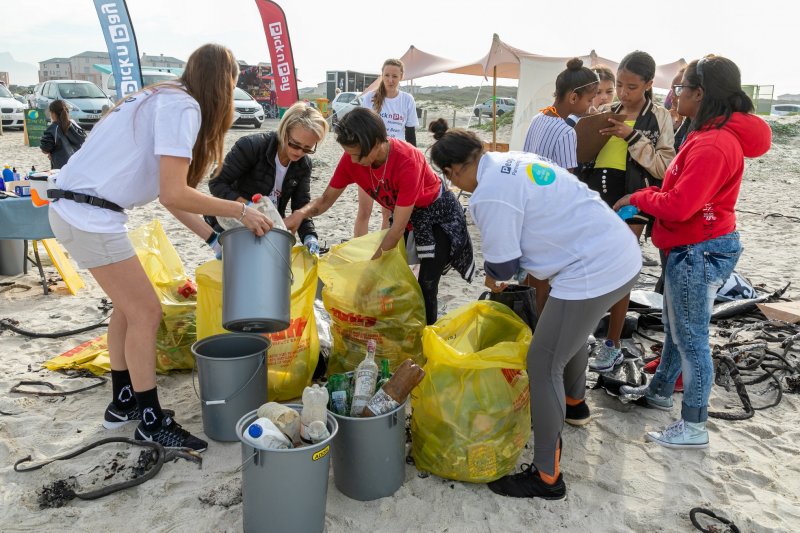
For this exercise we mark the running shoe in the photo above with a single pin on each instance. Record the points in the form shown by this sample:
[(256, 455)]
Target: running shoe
[(681, 435), (529, 484), (117, 417), (606, 358), (171, 435)]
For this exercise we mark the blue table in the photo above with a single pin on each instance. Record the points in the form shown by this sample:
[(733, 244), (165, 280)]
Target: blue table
[(20, 219)]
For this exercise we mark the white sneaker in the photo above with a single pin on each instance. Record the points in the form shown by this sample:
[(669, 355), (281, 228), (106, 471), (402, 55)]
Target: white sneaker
[(681, 435), (607, 357)]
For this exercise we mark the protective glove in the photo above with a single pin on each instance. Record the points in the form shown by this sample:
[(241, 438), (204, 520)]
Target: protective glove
[(312, 244), (214, 244)]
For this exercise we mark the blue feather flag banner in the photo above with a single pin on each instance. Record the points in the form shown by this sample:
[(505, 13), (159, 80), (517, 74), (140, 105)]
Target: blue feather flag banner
[(121, 43)]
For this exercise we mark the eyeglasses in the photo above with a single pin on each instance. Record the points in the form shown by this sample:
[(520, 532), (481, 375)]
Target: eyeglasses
[(678, 89), (297, 146)]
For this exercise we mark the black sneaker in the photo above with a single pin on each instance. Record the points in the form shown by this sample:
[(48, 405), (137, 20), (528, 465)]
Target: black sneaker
[(171, 435), (528, 484), (578, 415), (117, 417)]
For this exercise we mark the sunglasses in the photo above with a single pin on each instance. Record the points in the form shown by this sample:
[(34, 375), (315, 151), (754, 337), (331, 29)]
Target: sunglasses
[(678, 89), (292, 144)]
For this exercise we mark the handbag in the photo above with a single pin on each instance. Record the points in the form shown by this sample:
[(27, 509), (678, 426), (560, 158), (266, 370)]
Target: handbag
[(520, 298)]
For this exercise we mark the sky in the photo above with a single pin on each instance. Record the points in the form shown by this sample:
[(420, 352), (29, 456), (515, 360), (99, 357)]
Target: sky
[(761, 37)]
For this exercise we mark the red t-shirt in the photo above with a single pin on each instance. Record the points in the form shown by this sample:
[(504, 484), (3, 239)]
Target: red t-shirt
[(408, 179)]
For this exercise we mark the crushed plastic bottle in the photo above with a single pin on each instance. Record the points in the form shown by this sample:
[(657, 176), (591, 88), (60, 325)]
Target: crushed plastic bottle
[(315, 403), (260, 203)]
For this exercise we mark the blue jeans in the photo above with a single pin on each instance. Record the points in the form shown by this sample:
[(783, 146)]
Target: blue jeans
[(693, 275)]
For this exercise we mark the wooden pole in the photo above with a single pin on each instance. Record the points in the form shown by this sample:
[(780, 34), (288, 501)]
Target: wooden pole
[(494, 110), (424, 119), (454, 118)]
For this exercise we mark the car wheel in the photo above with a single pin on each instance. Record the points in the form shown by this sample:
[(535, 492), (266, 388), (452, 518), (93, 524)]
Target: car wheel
[(477, 112), (500, 113)]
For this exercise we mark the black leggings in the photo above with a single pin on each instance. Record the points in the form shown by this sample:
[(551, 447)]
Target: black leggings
[(430, 272)]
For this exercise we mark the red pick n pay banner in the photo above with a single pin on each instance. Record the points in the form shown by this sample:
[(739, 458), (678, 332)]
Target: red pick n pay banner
[(280, 52)]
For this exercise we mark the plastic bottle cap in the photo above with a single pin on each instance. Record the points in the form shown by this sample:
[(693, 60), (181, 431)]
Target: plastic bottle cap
[(255, 431), (256, 197)]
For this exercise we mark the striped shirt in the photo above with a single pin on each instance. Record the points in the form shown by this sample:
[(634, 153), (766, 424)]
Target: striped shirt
[(554, 139)]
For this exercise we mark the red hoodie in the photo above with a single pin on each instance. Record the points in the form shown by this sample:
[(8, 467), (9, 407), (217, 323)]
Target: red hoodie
[(696, 201)]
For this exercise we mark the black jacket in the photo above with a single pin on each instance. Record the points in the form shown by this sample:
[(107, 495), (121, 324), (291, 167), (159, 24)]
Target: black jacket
[(249, 168), (61, 146)]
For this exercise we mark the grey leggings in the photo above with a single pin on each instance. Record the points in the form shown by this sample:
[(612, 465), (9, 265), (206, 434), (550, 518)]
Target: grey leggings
[(557, 362)]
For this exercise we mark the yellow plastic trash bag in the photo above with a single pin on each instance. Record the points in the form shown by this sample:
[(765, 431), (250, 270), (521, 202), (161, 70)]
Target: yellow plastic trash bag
[(293, 355), (175, 290), (471, 413), (369, 299)]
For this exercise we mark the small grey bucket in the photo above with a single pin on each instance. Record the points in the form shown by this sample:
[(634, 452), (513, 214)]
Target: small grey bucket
[(256, 280), (232, 371), (369, 455), (285, 490)]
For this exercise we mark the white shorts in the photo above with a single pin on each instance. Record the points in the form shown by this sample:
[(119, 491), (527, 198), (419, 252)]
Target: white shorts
[(91, 250)]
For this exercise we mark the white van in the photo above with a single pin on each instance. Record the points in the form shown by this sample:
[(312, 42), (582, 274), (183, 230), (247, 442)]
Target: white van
[(785, 109), (149, 77)]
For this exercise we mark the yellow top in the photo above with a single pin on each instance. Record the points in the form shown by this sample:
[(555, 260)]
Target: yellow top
[(614, 153)]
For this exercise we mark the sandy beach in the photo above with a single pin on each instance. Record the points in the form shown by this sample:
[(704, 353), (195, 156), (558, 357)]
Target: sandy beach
[(616, 481)]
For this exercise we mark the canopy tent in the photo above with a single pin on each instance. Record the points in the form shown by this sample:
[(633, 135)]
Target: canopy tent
[(537, 75)]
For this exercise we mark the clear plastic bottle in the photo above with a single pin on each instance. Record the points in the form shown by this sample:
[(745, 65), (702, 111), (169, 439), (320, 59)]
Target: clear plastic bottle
[(265, 205), (264, 435), (315, 409), (365, 380)]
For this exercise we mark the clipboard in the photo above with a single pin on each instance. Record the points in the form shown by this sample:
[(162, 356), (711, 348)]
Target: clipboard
[(587, 130)]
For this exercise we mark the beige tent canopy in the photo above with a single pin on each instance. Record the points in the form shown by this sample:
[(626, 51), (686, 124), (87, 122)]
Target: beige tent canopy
[(536, 73)]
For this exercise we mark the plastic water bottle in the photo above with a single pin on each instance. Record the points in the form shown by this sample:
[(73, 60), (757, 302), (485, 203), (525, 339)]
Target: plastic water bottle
[(627, 212), (265, 205), (230, 222), (315, 404), (264, 435), (8, 174), (366, 378)]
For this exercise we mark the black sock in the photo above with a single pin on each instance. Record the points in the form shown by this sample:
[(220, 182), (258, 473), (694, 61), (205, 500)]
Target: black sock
[(122, 389), (150, 409)]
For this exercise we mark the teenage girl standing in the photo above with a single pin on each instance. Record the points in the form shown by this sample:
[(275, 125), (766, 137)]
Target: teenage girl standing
[(398, 111), (635, 156)]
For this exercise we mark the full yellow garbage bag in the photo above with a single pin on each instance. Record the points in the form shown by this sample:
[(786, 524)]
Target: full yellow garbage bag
[(293, 355), (471, 416), (371, 299), (175, 291)]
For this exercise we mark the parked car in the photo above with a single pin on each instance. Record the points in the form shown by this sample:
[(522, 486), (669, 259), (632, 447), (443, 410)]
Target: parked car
[(343, 104), (31, 96), (85, 100), (504, 105), (149, 77), (782, 110), (13, 112), (248, 110)]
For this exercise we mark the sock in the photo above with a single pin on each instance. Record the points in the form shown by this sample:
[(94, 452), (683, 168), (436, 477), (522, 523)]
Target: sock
[(122, 389), (150, 409)]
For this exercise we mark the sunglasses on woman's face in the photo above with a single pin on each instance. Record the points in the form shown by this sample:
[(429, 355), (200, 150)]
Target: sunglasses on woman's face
[(298, 146), (678, 89)]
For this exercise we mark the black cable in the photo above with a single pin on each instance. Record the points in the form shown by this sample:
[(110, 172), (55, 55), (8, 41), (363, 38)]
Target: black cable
[(6, 323)]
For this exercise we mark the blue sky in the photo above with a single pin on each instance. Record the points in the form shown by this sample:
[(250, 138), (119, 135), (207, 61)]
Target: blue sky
[(758, 36)]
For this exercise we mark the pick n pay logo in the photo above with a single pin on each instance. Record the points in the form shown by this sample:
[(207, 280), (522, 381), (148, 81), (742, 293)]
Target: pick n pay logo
[(541, 174)]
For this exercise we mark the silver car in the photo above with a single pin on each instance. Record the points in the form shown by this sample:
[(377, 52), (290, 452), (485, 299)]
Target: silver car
[(504, 105), (85, 100), (13, 111)]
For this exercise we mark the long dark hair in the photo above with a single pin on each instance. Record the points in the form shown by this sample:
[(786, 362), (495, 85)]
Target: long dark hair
[(361, 127), (643, 65), (61, 111), (454, 146), (721, 82), (380, 94), (575, 78)]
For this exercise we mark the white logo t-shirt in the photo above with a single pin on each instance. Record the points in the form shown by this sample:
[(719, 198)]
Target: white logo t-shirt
[(398, 113), (119, 161), (528, 208)]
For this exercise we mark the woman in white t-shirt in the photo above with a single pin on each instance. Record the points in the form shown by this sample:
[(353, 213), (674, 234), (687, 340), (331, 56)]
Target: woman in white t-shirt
[(155, 144), (519, 202), (399, 113)]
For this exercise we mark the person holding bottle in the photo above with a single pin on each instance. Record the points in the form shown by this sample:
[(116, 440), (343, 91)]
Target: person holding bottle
[(398, 111), (156, 144), (397, 175), (695, 226), (518, 203), (276, 165)]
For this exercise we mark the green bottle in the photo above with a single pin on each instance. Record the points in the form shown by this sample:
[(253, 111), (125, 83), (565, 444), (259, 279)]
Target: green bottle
[(385, 375), (339, 392)]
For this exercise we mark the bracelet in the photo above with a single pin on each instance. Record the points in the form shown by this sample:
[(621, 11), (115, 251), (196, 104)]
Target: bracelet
[(244, 212)]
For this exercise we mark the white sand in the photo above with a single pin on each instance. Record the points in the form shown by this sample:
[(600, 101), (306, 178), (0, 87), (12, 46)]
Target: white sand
[(616, 481)]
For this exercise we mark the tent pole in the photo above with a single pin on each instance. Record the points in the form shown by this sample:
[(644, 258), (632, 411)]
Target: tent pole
[(494, 110)]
